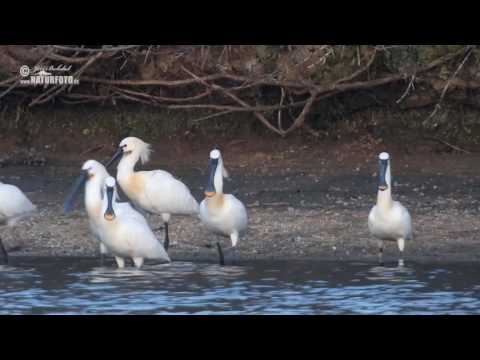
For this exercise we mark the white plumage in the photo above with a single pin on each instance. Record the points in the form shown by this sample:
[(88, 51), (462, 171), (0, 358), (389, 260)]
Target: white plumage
[(389, 220), (14, 206), (390, 223), (222, 214), (156, 191), (93, 175), (126, 233), (227, 219), (97, 173), (164, 194)]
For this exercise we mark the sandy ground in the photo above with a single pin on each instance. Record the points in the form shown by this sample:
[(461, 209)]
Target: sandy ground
[(303, 203)]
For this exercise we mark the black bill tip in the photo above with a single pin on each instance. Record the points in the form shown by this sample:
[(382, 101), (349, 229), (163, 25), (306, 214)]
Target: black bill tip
[(118, 154), (69, 203), (109, 216)]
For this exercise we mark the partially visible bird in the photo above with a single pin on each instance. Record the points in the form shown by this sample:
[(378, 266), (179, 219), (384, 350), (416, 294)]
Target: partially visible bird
[(14, 206)]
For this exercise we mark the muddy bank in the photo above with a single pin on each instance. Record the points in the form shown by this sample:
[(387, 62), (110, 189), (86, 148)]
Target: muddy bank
[(303, 203)]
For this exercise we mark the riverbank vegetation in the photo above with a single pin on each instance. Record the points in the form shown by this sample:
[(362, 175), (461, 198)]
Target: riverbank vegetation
[(424, 92)]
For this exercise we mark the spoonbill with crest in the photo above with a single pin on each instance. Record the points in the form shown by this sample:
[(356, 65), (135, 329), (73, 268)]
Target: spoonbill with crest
[(155, 191)]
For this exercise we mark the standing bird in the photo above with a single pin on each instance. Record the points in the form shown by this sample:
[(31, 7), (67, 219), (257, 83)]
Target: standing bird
[(155, 191), (388, 220), (126, 233), (14, 206), (223, 214), (92, 175)]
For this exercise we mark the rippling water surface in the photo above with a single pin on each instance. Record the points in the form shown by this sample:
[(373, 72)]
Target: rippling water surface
[(81, 286)]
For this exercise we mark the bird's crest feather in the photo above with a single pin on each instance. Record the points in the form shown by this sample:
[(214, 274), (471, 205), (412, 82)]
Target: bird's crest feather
[(145, 152)]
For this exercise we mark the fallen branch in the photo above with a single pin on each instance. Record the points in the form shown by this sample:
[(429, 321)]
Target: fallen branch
[(91, 50), (235, 98), (92, 149), (360, 71), (447, 85), (211, 116), (235, 90), (448, 144), (279, 116), (164, 98), (411, 85)]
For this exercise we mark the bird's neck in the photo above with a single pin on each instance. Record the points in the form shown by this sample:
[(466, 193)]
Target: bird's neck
[(126, 166), (105, 202), (93, 195), (215, 203), (218, 179), (384, 198)]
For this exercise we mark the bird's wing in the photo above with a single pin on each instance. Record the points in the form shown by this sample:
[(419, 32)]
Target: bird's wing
[(134, 228), (125, 209), (408, 222), (13, 202), (238, 209), (169, 194)]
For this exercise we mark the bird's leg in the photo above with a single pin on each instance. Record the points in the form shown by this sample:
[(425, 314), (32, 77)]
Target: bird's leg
[(235, 255), (380, 252), (103, 250), (3, 253), (401, 247), (166, 242), (220, 254), (120, 262), (138, 261), (234, 239)]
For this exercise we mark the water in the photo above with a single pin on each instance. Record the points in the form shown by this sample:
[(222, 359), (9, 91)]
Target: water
[(81, 286)]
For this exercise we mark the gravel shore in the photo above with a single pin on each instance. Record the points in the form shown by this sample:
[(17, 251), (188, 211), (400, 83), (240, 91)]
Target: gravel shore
[(314, 209)]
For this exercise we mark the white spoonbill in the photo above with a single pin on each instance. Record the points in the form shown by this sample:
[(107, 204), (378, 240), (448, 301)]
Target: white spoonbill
[(93, 175), (155, 191), (126, 233), (388, 220), (222, 214), (14, 206)]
